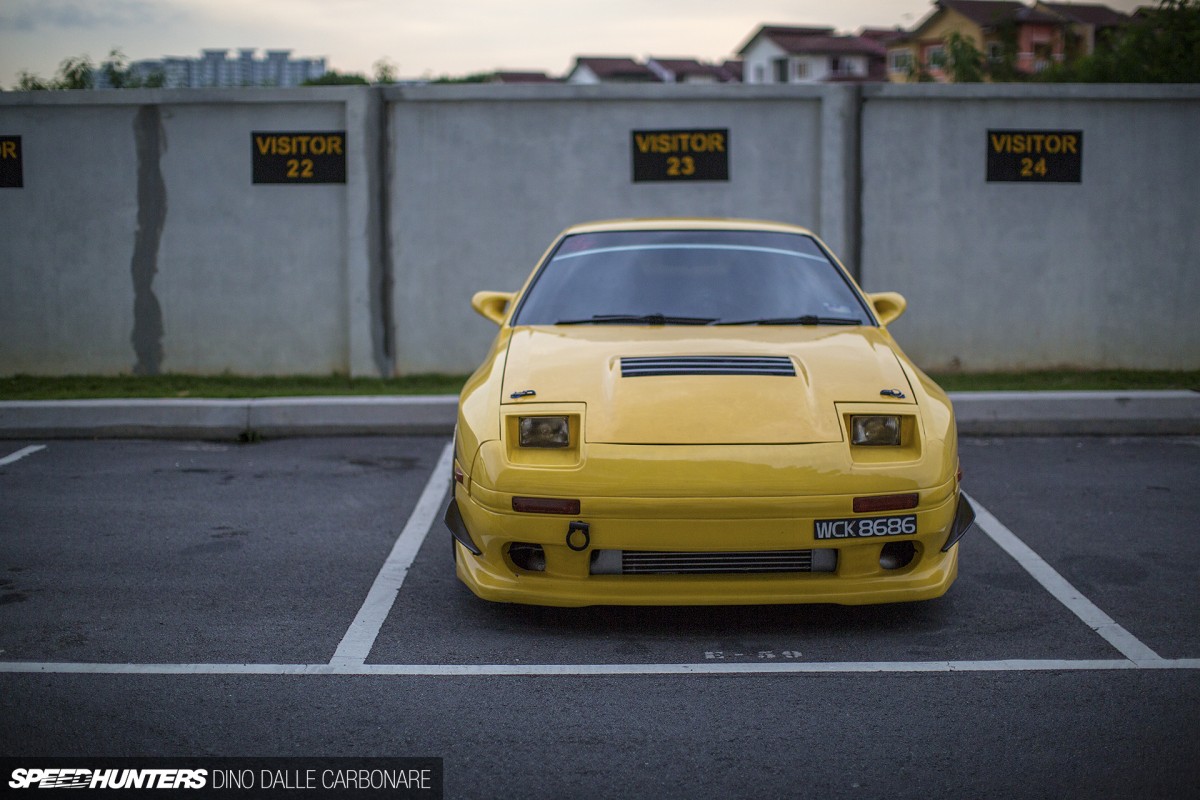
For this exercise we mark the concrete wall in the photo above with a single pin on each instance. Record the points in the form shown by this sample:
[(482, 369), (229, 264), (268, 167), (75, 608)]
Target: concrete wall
[(139, 242), (484, 180), (1101, 273)]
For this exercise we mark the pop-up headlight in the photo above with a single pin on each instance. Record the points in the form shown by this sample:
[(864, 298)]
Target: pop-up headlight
[(545, 432), (875, 430)]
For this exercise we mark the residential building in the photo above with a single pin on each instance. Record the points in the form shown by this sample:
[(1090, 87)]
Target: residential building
[(1035, 38), (731, 68), (686, 70), (610, 69), (1090, 24), (215, 68), (791, 54)]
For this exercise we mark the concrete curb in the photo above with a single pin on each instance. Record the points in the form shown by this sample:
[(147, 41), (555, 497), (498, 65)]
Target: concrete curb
[(228, 419), (978, 414), (1076, 413)]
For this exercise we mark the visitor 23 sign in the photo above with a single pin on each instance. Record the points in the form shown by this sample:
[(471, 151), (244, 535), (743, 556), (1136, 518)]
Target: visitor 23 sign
[(680, 155)]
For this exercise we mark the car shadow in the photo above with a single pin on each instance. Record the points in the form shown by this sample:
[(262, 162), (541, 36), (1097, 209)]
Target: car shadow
[(672, 622)]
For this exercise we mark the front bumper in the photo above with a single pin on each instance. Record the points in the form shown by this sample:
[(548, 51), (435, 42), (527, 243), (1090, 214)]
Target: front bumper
[(483, 534)]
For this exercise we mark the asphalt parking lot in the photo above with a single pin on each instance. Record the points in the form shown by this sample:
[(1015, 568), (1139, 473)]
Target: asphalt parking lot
[(205, 598)]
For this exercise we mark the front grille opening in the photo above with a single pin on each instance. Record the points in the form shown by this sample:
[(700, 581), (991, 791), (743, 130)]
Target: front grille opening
[(643, 562), (640, 367)]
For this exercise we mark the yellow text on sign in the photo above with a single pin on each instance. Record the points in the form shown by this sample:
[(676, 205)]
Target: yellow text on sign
[(1029, 167), (1052, 143), (681, 165), (8, 149), (299, 168), (680, 142), (302, 145)]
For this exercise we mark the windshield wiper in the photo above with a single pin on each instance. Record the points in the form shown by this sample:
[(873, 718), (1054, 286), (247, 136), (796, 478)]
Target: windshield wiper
[(807, 319), (644, 319)]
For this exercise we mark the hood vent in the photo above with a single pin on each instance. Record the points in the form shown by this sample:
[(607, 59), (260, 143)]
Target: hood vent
[(707, 365)]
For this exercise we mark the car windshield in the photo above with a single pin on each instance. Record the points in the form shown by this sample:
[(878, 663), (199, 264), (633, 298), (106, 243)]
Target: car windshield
[(713, 277)]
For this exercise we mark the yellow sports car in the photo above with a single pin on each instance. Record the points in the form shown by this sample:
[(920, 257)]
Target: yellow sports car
[(690, 411)]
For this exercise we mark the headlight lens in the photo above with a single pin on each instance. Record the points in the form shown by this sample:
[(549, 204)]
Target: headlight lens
[(545, 432), (875, 430)]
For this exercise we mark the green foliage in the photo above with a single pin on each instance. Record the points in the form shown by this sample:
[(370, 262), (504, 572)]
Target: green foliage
[(75, 73), (28, 82), (78, 72), (1003, 67), (1068, 380), (31, 387), (1161, 46), (964, 61), (116, 69), (335, 78), (474, 77), (35, 387), (385, 71)]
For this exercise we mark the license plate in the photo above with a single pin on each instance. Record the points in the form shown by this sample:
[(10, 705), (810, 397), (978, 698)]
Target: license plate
[(864, 527)]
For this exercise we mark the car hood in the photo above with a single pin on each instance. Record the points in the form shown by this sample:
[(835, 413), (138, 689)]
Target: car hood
[(691, 405)]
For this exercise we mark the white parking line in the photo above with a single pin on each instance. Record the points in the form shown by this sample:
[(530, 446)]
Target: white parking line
[(352, 652), (551, 670), (24, 451), (360, 638), (1129, 645)]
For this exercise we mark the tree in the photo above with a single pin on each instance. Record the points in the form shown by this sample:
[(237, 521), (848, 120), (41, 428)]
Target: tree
[(964, 61), (335, 78), (28, 82), (474, 77), (1002, 67), (75, 73), (385, 71), (155, 80), (1161, 45), (116, 69)]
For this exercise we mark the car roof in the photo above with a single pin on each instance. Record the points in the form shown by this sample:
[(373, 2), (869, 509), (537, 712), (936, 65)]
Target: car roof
[(685, 223)]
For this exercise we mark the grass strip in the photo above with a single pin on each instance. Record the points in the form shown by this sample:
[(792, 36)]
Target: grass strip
[(1069, 380), (88, 387)]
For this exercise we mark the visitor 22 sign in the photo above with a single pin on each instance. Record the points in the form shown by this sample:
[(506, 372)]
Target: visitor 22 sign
[(11, 171), (298, 157)]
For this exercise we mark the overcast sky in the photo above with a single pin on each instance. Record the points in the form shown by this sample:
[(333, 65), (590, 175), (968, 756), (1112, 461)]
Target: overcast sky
[(420, 37)]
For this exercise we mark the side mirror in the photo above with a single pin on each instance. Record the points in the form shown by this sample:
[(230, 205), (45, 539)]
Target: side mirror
[(888, 306), (492, 305)]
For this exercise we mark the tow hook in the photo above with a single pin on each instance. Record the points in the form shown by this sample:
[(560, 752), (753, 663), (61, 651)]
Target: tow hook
[(575, 531)]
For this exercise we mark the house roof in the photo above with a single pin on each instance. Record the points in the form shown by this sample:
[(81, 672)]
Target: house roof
[(1037, 15), (773, 31), (732, 69), (1088, 14), (516, 76), (825, 44), (883, 36), (985, 12), (682, 67), (619, 68)]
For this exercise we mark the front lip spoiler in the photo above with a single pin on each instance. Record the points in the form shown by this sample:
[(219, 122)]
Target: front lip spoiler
[(458, 528), (964, 518)]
